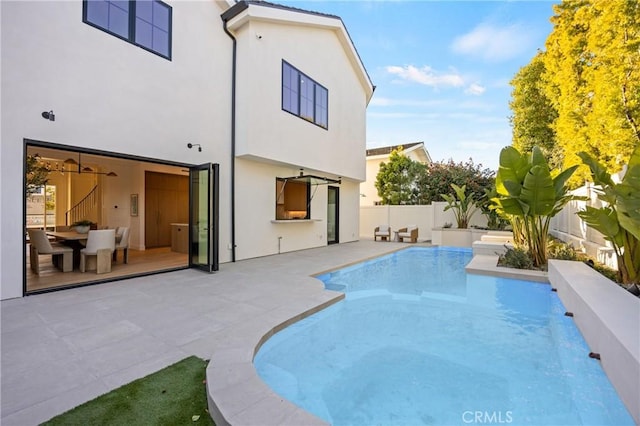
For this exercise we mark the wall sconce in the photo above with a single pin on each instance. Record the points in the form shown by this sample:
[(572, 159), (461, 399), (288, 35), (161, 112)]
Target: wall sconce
[(191, 145), (49, 115)]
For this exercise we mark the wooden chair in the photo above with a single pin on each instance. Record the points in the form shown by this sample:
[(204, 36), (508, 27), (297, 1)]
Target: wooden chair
[(100, 244), (122, 242), (383, 232), (410, 231), (61, 256)]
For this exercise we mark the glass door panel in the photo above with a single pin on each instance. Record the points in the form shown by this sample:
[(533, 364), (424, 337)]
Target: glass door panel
[(332, 215), (203, 236)]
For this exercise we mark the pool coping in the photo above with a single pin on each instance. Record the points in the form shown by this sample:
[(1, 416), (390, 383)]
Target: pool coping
[(483, 264), (236, 394)]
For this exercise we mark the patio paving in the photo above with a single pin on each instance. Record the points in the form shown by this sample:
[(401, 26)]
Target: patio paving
[(61, 349)]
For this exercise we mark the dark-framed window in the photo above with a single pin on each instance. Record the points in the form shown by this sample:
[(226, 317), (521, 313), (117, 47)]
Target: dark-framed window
[(145, 23), (303, 96), (292, 199)]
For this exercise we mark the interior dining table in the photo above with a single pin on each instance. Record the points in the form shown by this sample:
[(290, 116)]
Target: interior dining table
[(73, 239)]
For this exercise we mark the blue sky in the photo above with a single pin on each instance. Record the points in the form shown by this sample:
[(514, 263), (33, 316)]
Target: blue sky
[(442, 69)]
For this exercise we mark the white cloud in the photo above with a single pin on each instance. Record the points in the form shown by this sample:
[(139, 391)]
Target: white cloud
[(427, 76), (494, 43), (475, 89)]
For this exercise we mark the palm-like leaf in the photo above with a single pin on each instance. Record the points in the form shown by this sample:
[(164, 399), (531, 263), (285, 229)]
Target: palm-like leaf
[(599, 173), (603, 220), (538, 191), (513, 167)]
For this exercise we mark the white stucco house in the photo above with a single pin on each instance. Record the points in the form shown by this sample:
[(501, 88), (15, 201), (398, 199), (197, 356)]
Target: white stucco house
[(244, 122), (368, 192)]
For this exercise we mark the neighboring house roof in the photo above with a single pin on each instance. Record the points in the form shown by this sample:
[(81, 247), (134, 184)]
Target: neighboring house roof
[(241, 6), (385, 151)]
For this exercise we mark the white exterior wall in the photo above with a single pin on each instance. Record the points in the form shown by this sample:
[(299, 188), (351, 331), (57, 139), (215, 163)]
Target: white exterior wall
[(110, 95), (266, 132), (258, 235), (271, 142)]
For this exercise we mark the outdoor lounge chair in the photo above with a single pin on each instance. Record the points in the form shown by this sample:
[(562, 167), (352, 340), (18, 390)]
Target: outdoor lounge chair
[(410, 231), (100, 244), (383, 232), (61, 256)]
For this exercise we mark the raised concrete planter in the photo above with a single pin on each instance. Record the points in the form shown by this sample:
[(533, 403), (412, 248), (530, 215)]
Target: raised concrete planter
[(609, 319), (454, 237), (493, 243), (489, 248), (488, 265)]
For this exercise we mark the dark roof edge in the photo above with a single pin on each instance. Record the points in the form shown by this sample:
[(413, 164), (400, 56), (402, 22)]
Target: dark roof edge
[(234, 10), (384, 150), (243, 4)]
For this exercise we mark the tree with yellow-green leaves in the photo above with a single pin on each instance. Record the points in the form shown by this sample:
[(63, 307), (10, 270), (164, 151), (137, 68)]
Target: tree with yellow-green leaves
[(591, 79), (533, 115)]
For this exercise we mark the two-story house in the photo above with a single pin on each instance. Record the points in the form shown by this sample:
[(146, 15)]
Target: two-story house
[(213, 130)]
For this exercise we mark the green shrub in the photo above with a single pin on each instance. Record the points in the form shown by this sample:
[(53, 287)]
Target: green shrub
[(516, 257), (562, 251)]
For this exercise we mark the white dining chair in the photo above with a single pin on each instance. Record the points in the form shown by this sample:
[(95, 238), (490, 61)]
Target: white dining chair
[(122, 242), (101, 244), (40, 244)]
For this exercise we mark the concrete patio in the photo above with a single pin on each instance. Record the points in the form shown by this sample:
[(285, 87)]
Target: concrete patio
[(64, 348)]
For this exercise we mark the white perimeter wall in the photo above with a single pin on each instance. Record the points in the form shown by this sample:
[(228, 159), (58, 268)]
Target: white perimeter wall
[(426, 217), (110, 95)]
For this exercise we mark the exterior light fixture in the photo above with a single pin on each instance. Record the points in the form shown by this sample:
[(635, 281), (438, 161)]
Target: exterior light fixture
[(49, 115)]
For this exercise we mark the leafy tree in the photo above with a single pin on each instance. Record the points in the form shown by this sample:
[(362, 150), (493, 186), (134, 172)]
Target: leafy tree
[(530, 195), (37, 174), (439, 176), (592, 78), (396, 179), (533, 113)]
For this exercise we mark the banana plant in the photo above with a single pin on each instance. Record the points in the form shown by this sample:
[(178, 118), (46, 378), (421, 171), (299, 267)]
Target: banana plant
[(463, 207), (619, 217), (530, 195)]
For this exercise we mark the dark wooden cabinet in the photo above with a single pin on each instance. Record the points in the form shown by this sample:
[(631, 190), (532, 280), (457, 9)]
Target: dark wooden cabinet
[(166, 202)]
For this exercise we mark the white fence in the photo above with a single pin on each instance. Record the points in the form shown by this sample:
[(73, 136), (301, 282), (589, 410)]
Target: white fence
[(566, 226), (425, 217)]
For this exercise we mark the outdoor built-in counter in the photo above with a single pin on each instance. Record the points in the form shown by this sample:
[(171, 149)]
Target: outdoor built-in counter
[(608, 317)]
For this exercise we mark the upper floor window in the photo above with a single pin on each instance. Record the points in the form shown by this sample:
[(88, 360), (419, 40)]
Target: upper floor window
[(145, 23), (303, 96)]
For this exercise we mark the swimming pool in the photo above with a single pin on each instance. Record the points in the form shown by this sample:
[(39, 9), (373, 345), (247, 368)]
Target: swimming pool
[(418, 341)]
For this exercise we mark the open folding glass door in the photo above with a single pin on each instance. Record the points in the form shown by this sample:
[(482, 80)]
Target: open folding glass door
[(333, 214), (203, 213)]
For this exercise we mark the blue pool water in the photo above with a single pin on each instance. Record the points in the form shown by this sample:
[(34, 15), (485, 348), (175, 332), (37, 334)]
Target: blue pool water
[(418, 341)]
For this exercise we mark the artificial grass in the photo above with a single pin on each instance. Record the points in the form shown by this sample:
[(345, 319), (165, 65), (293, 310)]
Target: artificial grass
[(172, 396)]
